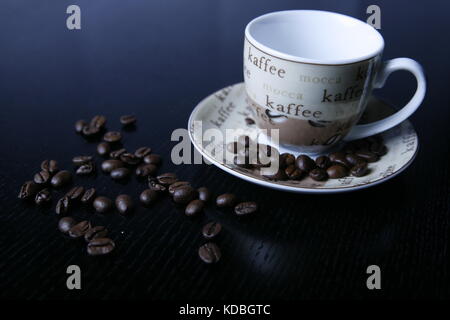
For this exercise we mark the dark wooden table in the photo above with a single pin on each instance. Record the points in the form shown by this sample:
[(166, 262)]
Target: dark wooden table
[(158, 59)]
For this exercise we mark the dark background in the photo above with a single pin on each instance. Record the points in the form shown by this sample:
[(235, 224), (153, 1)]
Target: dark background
[(157, 59)]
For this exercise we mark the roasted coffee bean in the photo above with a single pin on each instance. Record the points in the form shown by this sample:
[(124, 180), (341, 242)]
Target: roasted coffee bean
[(65, 224), (154, 159), (204, 194), (120, 173), (117, 153), (367, 155), (80, 229), (293, 173), (235, 147), (42, 177), (226, 200), (28, 190), (359, 170), (323, 162), (148, 196), (211, 230), (245, 208), (89, 131), (124, 204), (79, 125), (318, 174), (85, 169), (146, 169), (339, 158), (249, 121), (75, 193), (79, 160), (305, 163), (286, 159), (194, 207), (100, 246), (88, 196), (128, 119), (110, 165), (279, 175), (184, 194), (167, 178), (209, 253), (42, 197), (244, 140), (103, 148), (95, 233), (353, 159), (129, 159), (61, 178), (176, 185), (142, 152), (153, 184), (102, 204), (337, 171), (63, 205), (378, 148), (50, 166), (98, 121), (112, 136)]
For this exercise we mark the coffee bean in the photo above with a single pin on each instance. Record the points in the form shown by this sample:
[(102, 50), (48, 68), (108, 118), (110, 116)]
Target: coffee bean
[(110, 165), (323, 162), (79, 160), (85, 169), (359, 170), (286, 159), (80, 125), (318, 174), (124, 204), (28, 190), (235, 147), (89, 131), (95, 233), (176, 185), (154, 159), (353, 159), (368, 156), (142, 152), (305, 163), (378, 148), (337, 171), (102, 204), (128, 120), (98, 122), (167, 178), (117, 153), (339, 158), (226, 200), (146, 169), (194, 207), (184, 194), (42, 197), (245, 208), (293, 173), (129, 159), (120, 173), (103, 148), (42, 177), (63, 205), (100, 246), (209, 253), (75, 193), (79, 229), (61, 178), (211, 230), (50, 166), (65, 224), (88, 196), (112, 136), (279, 175), (204, 194), (153, 184), (148, 196)]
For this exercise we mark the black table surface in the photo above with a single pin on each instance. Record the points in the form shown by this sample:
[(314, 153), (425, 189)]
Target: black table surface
[(157, 59)]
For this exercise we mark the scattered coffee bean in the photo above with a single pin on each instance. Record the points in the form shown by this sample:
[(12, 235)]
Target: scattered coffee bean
[(339, 158), (110, 165), (167, 178), (42, 177), (146, 169), (209, 253), (85, 169), (148, 196), (211, 230), (142, 152), (103, 148), (112, 136), (305, 163), (318, 174), (95, 233), (286, 159), (88, 196), (50, 166), (226, 200), (359, 170), (337, 171), (102, 204), (128, 120), (154, 159), (28, 190), (63, 205), (61, 178), (245, 208), (89, 131), (117, 153), (153, 184), (124, 204), (42, 197), (353, 159), (176, 185), (194, 207), (129, 159), (120, 173), (367, 155), (184, 194), (100, 246), (80, 125), (378, 148), (79, 160), (323, 162), (79, 229), (204, 194), (249, 121), (65, 224), (98, 122), (75, 193), (293, 173)]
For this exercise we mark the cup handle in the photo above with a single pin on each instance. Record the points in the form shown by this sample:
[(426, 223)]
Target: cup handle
[(366, 130)]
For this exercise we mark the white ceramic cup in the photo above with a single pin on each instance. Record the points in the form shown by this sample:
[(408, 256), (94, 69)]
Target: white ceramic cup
[(310, 73)]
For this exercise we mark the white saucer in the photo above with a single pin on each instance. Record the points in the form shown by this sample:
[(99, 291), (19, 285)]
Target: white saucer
[(401, 141)]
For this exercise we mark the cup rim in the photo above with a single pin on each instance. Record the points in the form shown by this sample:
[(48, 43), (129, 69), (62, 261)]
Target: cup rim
[(293, 58)]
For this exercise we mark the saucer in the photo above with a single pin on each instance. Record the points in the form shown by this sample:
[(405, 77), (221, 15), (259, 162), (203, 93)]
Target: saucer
[(228, 109)]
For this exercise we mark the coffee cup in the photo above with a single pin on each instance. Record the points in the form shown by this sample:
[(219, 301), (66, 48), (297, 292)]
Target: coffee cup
[(310, 74)]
